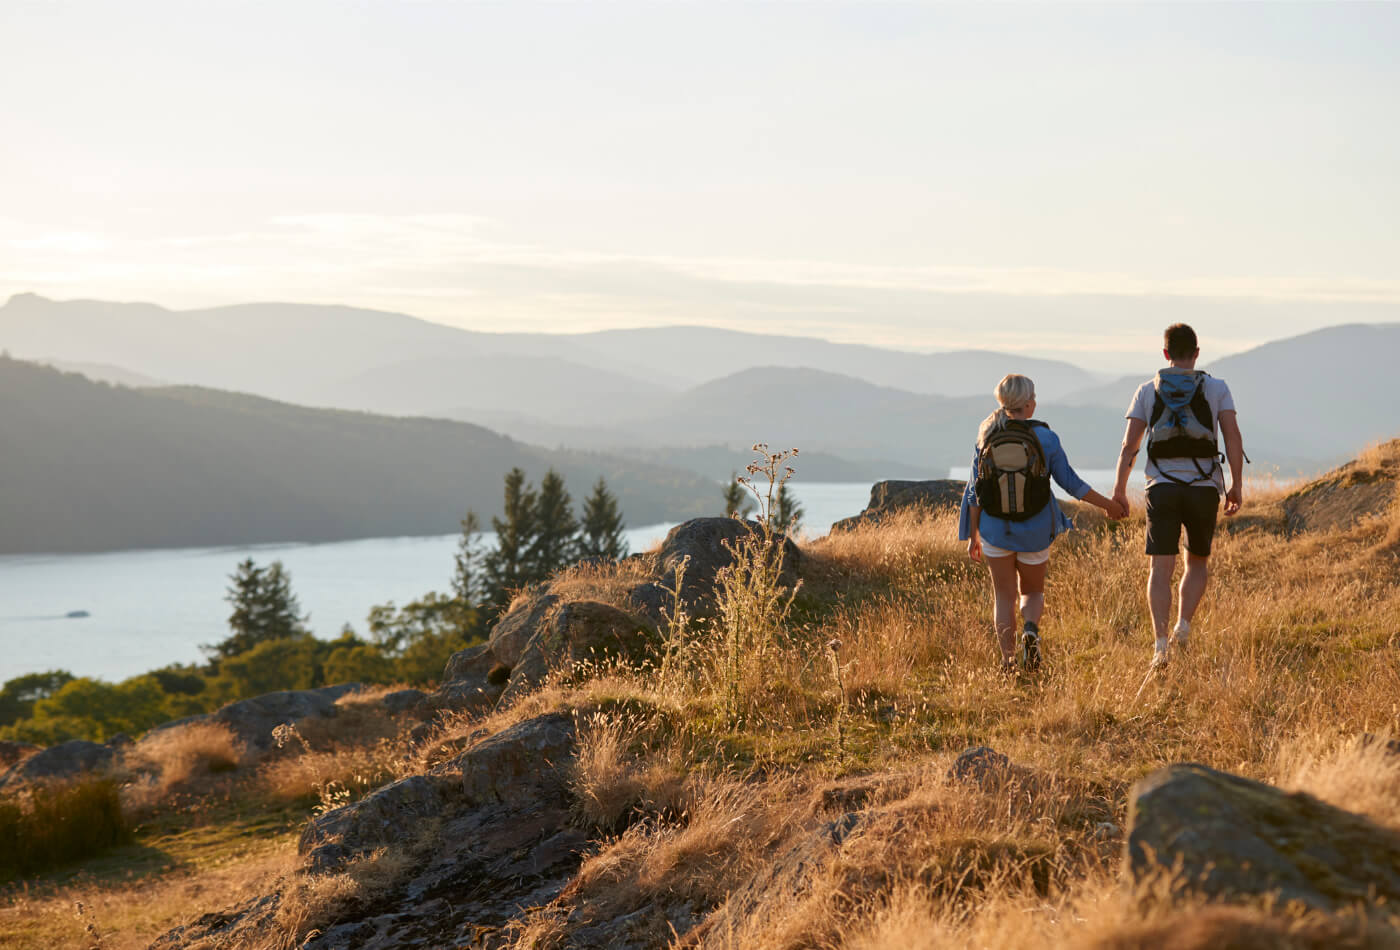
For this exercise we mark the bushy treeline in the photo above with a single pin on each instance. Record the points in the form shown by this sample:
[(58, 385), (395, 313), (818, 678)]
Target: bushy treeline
[(269, 647)]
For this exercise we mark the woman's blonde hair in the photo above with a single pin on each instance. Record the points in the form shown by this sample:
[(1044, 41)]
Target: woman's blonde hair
[(1013, 392)]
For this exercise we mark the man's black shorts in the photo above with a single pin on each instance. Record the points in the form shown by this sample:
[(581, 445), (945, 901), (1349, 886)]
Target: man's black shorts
[(1170, 506)]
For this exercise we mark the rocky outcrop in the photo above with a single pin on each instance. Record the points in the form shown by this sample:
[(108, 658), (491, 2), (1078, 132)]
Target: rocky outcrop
[(13, 753), (582, 631), (252, 720), (1236, 839), (544, 630), (707, 543), (63, 761), (498, 838), (888, 497)]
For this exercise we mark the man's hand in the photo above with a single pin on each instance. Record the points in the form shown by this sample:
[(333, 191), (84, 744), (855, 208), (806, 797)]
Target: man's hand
[(1233, 499), (1121, 499), (974, 548)]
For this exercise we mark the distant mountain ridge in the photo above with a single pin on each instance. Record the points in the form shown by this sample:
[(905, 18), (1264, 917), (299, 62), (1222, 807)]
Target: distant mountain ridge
[(842, 415), (91, 467), (308, 354)]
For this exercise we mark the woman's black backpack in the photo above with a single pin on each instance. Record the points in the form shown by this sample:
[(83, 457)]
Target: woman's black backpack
[(1013, 480)]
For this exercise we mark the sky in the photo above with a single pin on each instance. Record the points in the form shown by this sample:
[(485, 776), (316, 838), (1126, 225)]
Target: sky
[(1050, 178)]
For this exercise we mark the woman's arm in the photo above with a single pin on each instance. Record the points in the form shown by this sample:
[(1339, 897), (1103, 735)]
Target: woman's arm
[(1112, 507), (974, 534), (1068, 479)]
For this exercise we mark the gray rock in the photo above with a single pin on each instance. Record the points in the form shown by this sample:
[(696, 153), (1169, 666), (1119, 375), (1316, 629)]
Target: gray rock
[(253, 720), (514, 631), (890, 496), (652, 602), (404, 700), (980, 764), (520, 765), (526, 759), (1237, 838), (577, 632), (467, 696), (706, 542), (471, 663), (389, 815), (64, 761)]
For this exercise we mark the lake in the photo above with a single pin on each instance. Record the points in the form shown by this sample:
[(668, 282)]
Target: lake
[(150, 608)]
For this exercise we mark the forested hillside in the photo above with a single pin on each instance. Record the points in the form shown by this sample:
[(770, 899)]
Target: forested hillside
[(87, 466)]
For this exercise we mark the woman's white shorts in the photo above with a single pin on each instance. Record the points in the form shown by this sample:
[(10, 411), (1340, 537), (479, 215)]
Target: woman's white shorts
[(1022, 557)]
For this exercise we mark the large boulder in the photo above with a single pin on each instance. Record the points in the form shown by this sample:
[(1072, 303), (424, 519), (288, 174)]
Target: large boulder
[(252, 720), (1236, 839), (708, 543), (891, 496), (63, 761), (521, 764), (513, 632), (581, 631)]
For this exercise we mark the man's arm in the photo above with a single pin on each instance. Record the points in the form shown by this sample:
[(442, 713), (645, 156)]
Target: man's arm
[(1132, 441), (1234, 455)]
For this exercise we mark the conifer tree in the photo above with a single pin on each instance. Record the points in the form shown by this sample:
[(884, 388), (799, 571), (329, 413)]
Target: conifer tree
[(554, 545), (736, 499), (264, 608), (787, 512), (468, 576), (507, 568), (601, 532)]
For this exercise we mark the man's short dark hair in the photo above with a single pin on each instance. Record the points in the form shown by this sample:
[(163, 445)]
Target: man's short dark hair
[(1180, 341)]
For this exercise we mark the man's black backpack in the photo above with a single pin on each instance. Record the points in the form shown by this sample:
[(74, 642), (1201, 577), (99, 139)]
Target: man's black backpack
[(1013, 480)]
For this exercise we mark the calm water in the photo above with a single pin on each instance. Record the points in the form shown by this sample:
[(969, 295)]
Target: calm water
[(150, 608)]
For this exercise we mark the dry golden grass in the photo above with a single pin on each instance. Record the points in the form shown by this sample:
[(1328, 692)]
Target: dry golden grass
[(128, 916), (331, 777), (605, 582), (179, 759), (616, 779), (885, 669)]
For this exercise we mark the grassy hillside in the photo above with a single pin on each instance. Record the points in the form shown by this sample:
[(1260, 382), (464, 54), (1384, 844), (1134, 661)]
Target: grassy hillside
[(704, 791), (89, 466)]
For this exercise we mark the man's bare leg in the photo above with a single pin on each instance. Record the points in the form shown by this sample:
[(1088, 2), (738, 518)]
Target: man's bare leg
[(1159, 599), (1193, 588)]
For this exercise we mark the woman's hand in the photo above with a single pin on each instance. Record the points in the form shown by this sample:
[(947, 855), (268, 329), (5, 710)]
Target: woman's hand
[(974, 548)]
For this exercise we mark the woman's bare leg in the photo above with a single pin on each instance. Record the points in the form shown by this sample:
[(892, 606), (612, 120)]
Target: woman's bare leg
[(1032, 586), (1003, 571)]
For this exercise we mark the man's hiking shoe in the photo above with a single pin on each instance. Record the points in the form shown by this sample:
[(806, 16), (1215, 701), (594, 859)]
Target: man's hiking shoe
[(1008, 667), (1030, 648), (1159, 661), (1180, 644)]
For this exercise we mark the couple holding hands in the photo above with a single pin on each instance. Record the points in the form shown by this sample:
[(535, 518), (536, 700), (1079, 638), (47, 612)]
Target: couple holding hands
[(1009, 516)]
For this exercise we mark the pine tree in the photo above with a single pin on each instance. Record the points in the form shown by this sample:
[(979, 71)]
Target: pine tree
[(507, 568), (264, 608), (555, 527), (468, 576), (601, 532), (787, 512), (736, 499)]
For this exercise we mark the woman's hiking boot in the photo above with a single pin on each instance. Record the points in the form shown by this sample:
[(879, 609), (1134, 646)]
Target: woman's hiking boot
[(1030, 647)]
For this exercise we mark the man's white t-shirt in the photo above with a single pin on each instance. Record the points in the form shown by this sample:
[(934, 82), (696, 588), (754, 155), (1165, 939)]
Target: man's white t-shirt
[(1219, 399)]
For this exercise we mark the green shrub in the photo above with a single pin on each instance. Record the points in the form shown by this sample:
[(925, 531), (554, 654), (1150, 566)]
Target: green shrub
[(56, 824)]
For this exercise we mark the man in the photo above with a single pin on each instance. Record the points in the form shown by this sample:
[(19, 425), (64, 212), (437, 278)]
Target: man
[(1179, 411)]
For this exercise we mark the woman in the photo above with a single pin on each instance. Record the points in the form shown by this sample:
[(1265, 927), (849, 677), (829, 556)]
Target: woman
[(1021, 519)]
